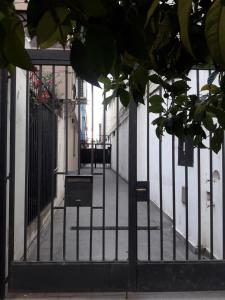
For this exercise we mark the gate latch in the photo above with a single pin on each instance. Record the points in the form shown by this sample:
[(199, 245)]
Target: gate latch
[(142, 191)]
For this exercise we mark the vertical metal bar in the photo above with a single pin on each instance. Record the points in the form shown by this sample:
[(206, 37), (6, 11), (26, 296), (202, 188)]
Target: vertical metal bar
[(161, 199), (92, 161), (161, 195), (79, 139), (186, 210), (211, 198), (117, 176), (92, 128), (148, 180), (132, 251), (78, 232), (66, 157), (66, 119), (3, 181), (12, 169), (199, 205), (104, 185), (27, 163), (211, 193), (223, 194), (52, 165), (40, 154), (199, 185), (174, 197)]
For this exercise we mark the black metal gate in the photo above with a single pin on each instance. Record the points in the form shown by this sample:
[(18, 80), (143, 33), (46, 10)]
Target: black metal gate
[(121, 239), (3, 177), (99, 152), (52, 257)]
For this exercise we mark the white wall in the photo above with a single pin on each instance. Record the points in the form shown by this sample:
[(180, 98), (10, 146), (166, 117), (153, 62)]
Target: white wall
[(123, 150), (192, 184), (111, 130), (167, 184), (20, 153)]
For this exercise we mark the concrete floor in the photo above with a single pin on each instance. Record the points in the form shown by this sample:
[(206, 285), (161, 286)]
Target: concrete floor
[(72, 239), (122, 296)]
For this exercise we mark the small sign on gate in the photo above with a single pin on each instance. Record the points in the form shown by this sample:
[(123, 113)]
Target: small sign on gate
[(78, 190), (142, 191)]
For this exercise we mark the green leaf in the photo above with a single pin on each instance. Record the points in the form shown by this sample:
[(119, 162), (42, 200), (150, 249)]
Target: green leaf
[(158, 121), (155, 79), (100, 49), (199, 112), (158, 80), (160, 125), (159, 131), (13, 45), (181, 99), (81, 65), (45, 29), (169, 125), (106, 81), (214, 32), (50, 28), (137, 82), (208, 122), (198, 142), (220, 114), (179, 87), (139, 78), (20, 57), (151, 11), (184, 11), (217, 140), (212, 88), (156, 109), (35, 11), (156, 104), (155, 99), (124, 96), (205, 87)]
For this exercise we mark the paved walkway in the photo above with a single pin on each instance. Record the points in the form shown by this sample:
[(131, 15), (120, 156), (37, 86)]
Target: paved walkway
[(83, 239), (138, 296)]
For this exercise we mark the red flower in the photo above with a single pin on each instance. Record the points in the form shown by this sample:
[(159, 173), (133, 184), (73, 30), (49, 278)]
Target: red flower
[(37, 83), (43, 98), (45, 94)]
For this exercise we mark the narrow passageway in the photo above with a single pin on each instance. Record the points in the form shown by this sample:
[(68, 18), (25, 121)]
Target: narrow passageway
[(78, 242)]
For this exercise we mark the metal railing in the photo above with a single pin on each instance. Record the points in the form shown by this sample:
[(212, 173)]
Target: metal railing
[(41, 149)]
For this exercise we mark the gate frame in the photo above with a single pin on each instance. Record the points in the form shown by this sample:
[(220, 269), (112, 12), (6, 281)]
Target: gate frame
[(3, 178), (47, 276), (110, 276)]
